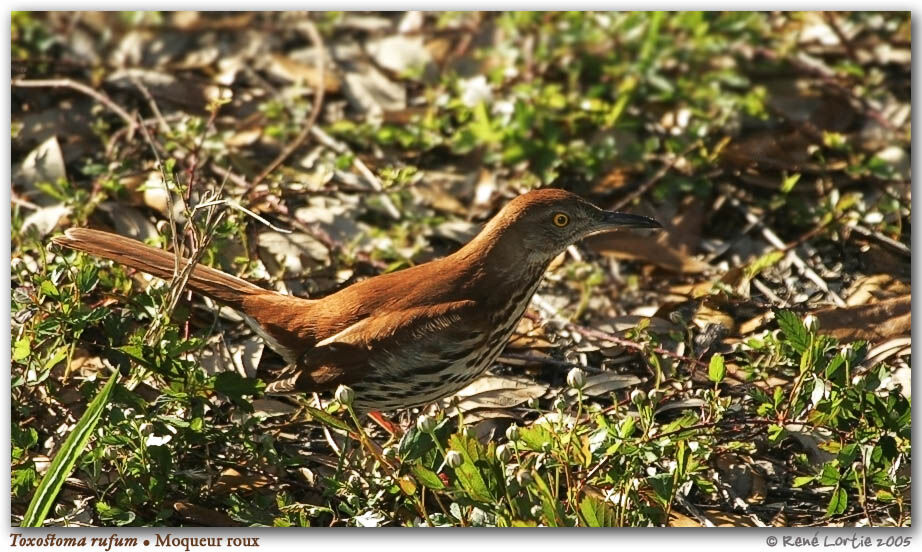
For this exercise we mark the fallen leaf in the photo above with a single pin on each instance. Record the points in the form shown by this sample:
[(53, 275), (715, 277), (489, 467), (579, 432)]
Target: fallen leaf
[(335, 217), (231, 481), (872, 322), (746, 482), (290, 70), (367, 88), (495, 392), (811, 439), (727, 519), (670, 249), (84, 364), (45, 219), (163, 86), (271, 408), (296, 252), (691, 402), (528, 336), (402, 53), (241, 357), (874, 287), (602, 384), (129, 221), (44, 164), (209, 517), (678, 519)]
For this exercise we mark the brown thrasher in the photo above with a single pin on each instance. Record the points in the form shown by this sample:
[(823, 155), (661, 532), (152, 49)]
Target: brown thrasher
[(406, 338)]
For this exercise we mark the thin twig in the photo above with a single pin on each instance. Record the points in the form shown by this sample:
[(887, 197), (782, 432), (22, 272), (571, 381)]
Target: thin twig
[(359, 165), (315, 112), (830, 81), (790, 253), (164, 127), (235, 205), (834, 25), (80, 87), (888, 242), (642, 189), (605, 336)]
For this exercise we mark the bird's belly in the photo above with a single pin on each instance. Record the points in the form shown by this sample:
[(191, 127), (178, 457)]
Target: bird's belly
[(421, 382)]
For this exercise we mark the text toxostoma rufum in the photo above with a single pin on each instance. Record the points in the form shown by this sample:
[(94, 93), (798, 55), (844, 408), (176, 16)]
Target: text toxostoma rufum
[(406, 338)]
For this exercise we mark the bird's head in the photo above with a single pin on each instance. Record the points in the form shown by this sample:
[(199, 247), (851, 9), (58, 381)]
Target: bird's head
[(542, 223)]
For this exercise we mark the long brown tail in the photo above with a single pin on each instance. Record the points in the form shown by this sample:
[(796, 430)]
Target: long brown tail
[(205, 280)]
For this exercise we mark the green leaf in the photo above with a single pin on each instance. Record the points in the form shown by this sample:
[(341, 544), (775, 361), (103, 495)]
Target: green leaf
[(537, 437), (327, 419), (469, 473), (22, 349), (776, 433), (803, 480), (833, 366), (66, 458), (662, 484), (716, 368), (22, 481), (114, 514), (794, 330), (552, 508), (415, 444), (427, 477), (788, 182), (626, 427), (87, 278), (48, 288), (596, 513), (765, 261), (236, 386), (838, 502)]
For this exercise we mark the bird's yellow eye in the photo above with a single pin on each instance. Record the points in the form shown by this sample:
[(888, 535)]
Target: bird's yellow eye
[(561, 220)]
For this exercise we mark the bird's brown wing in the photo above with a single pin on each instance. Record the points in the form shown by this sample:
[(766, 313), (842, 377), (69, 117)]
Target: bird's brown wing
[(400, 339)]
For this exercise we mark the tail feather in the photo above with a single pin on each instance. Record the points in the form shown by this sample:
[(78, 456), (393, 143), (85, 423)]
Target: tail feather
[(205, 280)]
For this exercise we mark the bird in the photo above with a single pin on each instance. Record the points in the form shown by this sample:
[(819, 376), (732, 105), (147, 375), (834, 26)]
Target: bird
[(402, 339)]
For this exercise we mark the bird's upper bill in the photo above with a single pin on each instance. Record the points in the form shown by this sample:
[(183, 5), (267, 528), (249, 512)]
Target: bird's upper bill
[(626, 220)]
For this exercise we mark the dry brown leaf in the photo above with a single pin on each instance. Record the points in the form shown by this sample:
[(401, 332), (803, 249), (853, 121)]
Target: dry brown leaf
[(129, 221), (811, 439), (644, 248), (874, 287), (402, 53), (735, 372), (368, 89), (670, 249), (528, 335), (272, 407), (727, 519), (287, 69), (43, 164), (231, 481), (606, 382), (774, 149), (241, 357), (163, 86), (84, 364), (45, 219), (201, 515), (620, 325), (872, 322), (745, 481), (678, 519), (193, 21), (495, 392), (691, 402)]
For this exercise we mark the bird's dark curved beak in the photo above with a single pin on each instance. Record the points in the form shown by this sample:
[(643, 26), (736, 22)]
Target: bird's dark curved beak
[(627, 220)]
